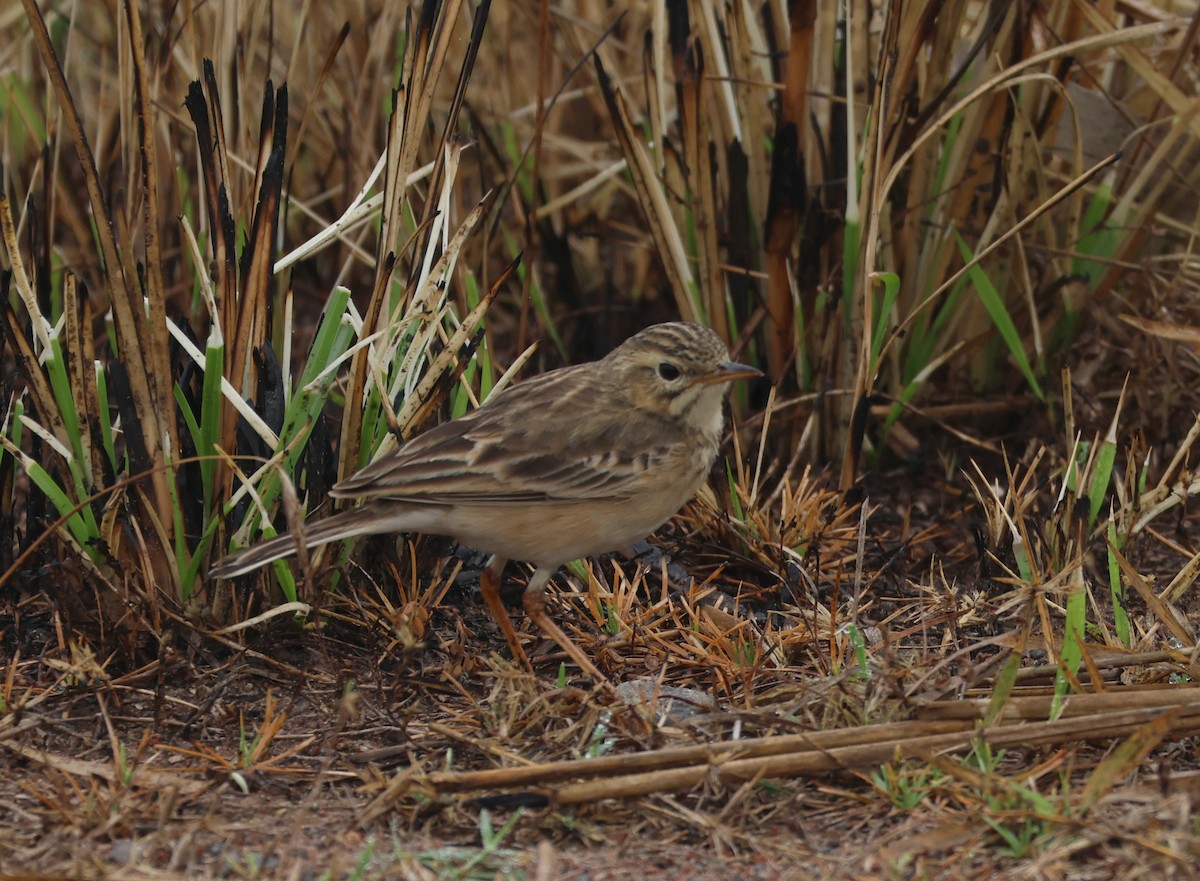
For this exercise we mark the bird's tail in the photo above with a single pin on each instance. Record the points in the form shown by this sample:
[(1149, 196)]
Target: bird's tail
[(361, 521)]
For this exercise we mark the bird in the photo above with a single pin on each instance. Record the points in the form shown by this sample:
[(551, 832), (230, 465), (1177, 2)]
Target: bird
[(568, 464)]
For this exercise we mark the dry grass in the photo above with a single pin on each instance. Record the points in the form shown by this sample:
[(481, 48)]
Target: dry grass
[(340, 736), (934, 618)]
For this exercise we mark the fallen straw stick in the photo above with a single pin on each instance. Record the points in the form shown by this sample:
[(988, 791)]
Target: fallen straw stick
[(1099, 726), (702, 754), (1112, 661), (625, 776), (1036, 707)]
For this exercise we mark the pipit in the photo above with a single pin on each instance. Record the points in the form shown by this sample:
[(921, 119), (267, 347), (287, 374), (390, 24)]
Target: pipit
[(575, 462)]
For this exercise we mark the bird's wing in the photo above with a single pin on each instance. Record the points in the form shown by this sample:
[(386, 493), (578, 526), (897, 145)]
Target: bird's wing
[(549, 438)]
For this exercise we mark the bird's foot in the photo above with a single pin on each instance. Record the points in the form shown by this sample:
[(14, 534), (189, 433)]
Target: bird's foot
[(535, 608)]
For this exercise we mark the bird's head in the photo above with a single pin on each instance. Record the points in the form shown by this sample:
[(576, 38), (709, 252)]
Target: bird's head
[(679, 370)]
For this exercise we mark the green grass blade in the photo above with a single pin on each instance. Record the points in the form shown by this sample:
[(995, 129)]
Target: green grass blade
[(994, 304), (1117, 588), (891, 290), (105, 417), (211, 407), (1106, 458), (1072, 648), (1002, 690)]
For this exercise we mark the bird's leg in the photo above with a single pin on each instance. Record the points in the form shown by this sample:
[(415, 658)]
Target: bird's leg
[(534, 601), (489, 586)]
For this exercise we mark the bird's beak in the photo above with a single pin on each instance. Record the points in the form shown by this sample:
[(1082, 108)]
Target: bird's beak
[(729, 371)]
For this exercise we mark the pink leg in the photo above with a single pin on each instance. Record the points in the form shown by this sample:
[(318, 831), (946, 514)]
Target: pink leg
[(535, 607), (489, 586)]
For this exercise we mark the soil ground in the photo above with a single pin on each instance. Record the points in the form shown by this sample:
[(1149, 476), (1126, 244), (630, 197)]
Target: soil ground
[(290, 752)]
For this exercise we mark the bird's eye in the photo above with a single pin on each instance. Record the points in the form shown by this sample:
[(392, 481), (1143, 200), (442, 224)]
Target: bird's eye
[(667, 371)]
